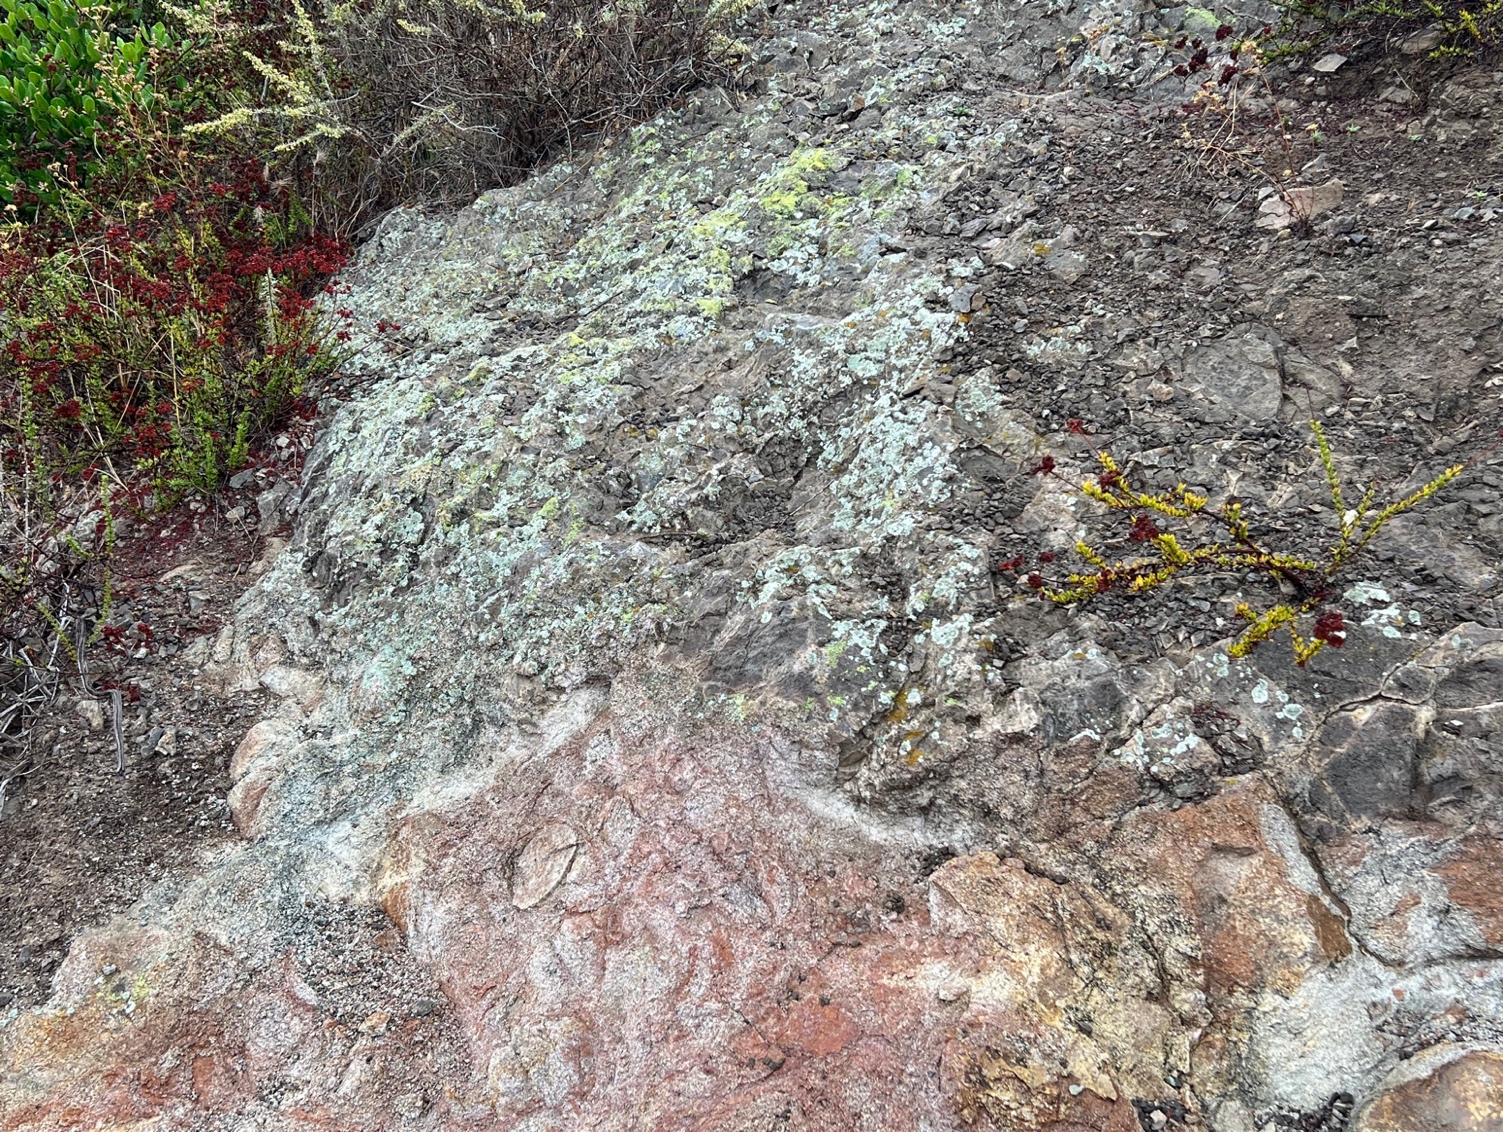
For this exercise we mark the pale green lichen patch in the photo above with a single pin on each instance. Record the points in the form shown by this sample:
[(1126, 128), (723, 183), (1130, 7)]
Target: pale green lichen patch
[(615, 382)]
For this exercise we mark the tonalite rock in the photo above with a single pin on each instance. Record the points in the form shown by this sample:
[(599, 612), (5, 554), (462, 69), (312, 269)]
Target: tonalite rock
[(655, 743)]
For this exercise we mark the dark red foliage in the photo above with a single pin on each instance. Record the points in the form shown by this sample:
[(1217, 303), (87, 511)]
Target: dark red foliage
[(1007, 565), (1045, 467), (1331, 628), (201, 255), (1076, 425), (1224, 31), (1046, 556), (1036, 581), (1143, 529)]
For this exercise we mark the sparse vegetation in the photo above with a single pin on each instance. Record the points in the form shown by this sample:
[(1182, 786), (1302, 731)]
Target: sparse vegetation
[(440, 99), (1220, 540), (1435, 29)]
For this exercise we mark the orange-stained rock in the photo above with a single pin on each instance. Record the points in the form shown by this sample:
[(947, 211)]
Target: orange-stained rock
[(259, 744), (1043, 1042), (1448, 1090), (1235, 864), (1474, 881)]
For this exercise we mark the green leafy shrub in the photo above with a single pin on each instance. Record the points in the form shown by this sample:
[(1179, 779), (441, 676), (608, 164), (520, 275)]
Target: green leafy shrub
[(65, 70)]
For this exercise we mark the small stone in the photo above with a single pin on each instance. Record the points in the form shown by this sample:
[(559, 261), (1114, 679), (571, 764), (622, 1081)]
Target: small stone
[(377, 1023), (1326, 64), (423, 1007), (1067, 266), (1279, 212), (1319, 167), (1076, 1090), (108, 969), (965, 299), (953, 991), (269, 502), (1423, 41), (92, 713)]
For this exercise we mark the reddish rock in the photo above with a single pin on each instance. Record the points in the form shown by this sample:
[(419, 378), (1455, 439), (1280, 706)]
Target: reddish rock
[(1236, 865), (180, 1032), (1474, 881), (709, 948), (1450, 1090)]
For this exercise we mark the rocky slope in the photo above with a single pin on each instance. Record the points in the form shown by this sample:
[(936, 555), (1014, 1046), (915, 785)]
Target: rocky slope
[(658, 745)]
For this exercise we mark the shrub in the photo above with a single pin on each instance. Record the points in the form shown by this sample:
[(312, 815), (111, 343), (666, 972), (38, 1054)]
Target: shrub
[(65, 70), (1442, 29), (163, 341), (441, 99)]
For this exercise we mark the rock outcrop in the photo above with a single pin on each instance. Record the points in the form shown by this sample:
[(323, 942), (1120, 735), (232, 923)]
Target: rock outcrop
[(658, 746)]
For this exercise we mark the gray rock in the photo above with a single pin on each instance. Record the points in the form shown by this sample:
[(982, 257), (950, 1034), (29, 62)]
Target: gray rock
[(1239, 375), (1365, 762)]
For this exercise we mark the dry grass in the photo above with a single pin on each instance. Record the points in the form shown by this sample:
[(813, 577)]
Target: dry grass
[(438, 100)]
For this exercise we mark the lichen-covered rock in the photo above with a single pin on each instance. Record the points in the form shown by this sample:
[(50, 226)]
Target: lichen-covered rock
[(655, 745)]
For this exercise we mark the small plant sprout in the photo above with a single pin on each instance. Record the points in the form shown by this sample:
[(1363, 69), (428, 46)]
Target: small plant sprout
[(1168, 526)]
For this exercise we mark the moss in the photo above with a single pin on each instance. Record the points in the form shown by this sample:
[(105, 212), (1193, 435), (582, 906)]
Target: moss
[(787, 202)]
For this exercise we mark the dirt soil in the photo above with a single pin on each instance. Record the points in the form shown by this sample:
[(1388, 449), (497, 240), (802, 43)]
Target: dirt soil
[(1381, 316), (80, 842)]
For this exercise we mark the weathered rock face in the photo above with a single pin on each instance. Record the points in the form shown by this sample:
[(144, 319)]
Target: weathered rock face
[(658, 747)]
